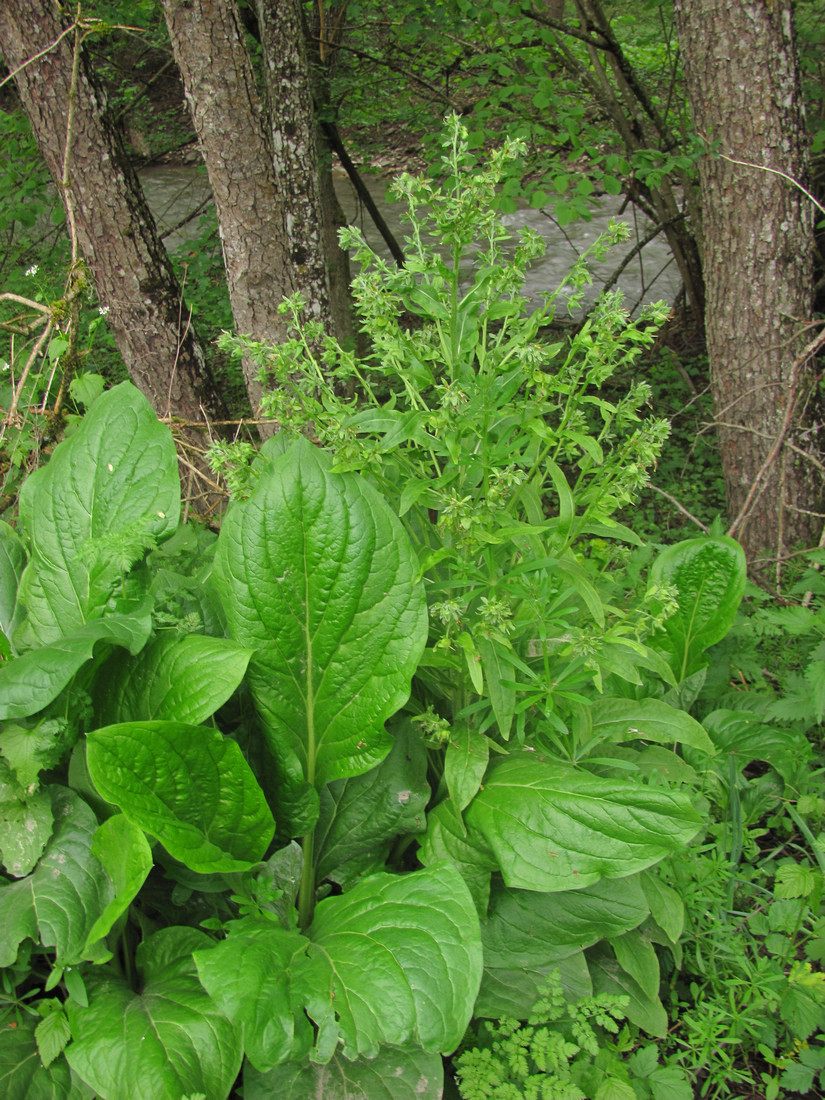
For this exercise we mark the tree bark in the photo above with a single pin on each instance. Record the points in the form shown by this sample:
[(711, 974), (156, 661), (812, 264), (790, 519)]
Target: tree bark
[(743, 87), (261, 157), (115, 230)]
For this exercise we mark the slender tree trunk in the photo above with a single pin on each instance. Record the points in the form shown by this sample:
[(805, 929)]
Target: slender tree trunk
[(261, 157), (742, 82), (116, 233)]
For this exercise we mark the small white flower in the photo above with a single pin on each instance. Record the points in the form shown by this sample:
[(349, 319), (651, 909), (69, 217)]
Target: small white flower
[(32, 270), (102, 310)]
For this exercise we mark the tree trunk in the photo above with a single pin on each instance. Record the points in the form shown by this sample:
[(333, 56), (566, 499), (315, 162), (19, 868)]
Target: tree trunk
[(742, 83), (262, 163), (115, 230)]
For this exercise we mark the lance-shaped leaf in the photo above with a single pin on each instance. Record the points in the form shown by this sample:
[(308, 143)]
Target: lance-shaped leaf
[(29, 683), (554, 827), (187, 785), (709, 575), (403, 954), (169, 1040), (177, 679), (107, 494), (393, 1075), (318, 576)]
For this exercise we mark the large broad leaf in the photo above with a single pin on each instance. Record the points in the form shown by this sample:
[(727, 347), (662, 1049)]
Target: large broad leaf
[(397, 794), (395, 960), (107, 493), (318, 576), (525, 928), (512, 991), (124, 854), (255, 976), (187, 785), (168, 1040), (66, 895), (29, 683), (647, 720), (22, 1074), (468, 851), (392, 1075), (175, 678), (404, 959), (709, 575), (12, 562), (555, 827)]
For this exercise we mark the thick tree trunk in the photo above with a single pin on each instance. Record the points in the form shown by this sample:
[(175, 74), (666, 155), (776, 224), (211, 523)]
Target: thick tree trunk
[(115, 230), (742, 82)]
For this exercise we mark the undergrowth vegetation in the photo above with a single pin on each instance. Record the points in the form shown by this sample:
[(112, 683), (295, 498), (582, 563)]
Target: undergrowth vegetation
[(426, 771)]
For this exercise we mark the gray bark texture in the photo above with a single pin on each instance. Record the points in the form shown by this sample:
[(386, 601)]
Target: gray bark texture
[(115, 230), (261, 156), (757, 242)]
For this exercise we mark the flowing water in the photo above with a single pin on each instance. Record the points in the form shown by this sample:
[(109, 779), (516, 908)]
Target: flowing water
[(174, 193)]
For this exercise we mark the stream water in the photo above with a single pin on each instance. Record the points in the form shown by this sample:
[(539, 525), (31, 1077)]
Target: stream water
[(174, 193)]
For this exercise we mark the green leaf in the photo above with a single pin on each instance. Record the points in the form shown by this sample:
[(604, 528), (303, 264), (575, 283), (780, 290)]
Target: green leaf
[(666, 907), (554, 827), (525, 928), (107, 493), (189, 786), (636, 955), (647, 720), (509, 991), (465, 763), (497, 669), (614, 1089), (52, 1034), (23, 1075), (25, 828), (393, 1075), (318, 576), (608, 977), (254, 976), (466, 849), (124, 853), (709, 575), (12, 563), (29, 683), (403, 954), (59, 902), (169, 1039), (397, 794), (174, 678)]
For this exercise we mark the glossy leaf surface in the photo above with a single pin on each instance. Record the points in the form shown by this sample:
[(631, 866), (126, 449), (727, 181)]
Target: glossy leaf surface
[(189, 786), (554, 827), (319, 578), (392, 1075)]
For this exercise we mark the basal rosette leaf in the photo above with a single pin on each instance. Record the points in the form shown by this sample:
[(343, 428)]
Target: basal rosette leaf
[(555, 827), (108, 492), (395, 1074), (12, 563), (30, 682), (319, 578), (189, 786), (174, 678), (403, 954), (65, 898), (709, 575), (168, 1040)]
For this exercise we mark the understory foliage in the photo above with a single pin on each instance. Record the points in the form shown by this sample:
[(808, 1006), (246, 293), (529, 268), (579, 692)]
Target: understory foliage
[(424, 754)]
